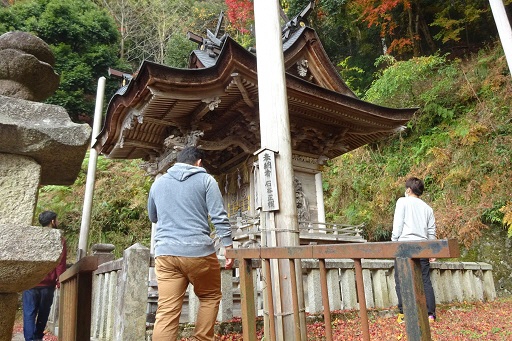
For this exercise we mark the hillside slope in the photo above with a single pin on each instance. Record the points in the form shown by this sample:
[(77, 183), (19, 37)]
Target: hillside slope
[(459, 142)]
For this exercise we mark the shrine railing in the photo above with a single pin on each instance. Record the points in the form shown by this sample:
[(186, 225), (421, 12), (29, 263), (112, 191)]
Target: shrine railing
[(407, 257), (248, 232), (106, 299), (119, 297), (75, 300)]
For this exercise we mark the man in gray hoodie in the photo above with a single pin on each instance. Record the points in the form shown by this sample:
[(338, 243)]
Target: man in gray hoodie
[(179, 203)]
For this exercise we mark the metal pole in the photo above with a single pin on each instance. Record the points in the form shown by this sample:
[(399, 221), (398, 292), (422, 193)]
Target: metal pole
[(275, 136), (91, 172), (504, 31)]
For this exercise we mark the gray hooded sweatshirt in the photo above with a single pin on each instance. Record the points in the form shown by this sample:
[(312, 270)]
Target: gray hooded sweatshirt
[(179, 203)]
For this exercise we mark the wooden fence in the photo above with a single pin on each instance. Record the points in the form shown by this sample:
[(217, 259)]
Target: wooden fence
[(106, 299), (406, 256)]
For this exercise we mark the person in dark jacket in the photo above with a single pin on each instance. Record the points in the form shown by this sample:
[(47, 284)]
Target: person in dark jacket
[(37, 301)]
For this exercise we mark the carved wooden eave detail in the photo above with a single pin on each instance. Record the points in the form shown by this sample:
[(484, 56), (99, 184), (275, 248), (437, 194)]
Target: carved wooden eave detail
[(162, 105)]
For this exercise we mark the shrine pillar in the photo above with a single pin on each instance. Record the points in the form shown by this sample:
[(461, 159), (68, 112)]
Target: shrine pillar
[(320, 198), (279, 215)]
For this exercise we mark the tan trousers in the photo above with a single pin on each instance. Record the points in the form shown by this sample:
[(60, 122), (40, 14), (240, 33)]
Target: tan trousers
[(173, 275)]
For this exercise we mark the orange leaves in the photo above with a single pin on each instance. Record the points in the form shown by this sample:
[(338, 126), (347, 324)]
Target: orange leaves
[(240, 13), (456, 322), (389, 16)]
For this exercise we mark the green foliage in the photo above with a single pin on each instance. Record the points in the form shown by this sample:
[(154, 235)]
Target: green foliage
[(178, 48), (350, 74), (118, 214), (494, 215), (459, 143), (401, 83), (458, 20), (83, 38)]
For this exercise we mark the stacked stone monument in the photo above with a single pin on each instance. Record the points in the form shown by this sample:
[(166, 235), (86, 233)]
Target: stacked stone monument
[(39, 145)]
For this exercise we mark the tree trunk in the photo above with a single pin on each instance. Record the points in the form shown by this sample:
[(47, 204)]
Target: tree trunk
[(412, 30), (423, 27)]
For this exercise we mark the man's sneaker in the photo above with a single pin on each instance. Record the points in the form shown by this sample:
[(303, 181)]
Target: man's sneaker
[(400, 318), (431, 319)]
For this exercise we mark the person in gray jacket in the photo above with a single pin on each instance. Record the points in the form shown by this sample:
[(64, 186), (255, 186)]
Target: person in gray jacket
[(414, 221), (180, 203)]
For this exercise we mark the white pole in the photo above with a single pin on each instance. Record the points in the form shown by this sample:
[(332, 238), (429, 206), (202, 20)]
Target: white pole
[(504, 31), (91, 172), (320, 199), (275, 136)]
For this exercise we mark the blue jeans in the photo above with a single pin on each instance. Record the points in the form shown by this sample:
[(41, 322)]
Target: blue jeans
[(427, 286), (36, 309)]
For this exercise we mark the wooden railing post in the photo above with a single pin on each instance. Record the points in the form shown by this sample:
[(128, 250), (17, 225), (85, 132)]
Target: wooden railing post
[(247, 299), (407, 255), (413, 298), (76, 296)]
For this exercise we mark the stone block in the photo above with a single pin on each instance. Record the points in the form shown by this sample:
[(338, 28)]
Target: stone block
[(19, 183), (130, 320), (380, 289), (340, 263), (393, 299), (368, 288), (348, 289), (333, 285), (26, 67), (46, 134), (27, 254), (447, 280), (488, 286), (377, 264), (468, 285), (226, 303), (471, 265), (437, 284), (8, 306), (193, 304), (314, 294), (456, 286)]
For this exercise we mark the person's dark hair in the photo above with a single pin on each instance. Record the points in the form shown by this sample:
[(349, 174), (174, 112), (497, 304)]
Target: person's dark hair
[(416, 185), (46, 217), (190, 155)]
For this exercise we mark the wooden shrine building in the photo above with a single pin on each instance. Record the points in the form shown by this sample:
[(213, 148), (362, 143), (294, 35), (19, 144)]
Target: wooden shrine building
[(214, 104)]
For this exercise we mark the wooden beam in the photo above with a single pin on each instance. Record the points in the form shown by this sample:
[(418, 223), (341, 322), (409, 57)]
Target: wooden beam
[(439, 248), (142, 144), (245, 95), (226, 142), (159, 122)]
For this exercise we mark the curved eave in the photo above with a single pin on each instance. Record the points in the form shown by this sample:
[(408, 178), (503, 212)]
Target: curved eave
[(162, 101), (305, 43), (182, 83)]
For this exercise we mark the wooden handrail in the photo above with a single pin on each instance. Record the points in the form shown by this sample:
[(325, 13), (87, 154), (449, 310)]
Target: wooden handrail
[(407, 255), (75, 298)]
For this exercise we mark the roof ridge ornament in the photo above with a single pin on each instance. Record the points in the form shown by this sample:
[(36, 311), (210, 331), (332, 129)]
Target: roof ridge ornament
[(298, 21), (212, 43)]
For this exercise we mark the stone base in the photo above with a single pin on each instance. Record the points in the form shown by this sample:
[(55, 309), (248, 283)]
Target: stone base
[(8, 306), (27, 254)]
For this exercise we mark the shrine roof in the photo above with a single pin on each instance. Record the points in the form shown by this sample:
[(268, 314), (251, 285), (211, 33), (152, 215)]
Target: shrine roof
[(216, 101)]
